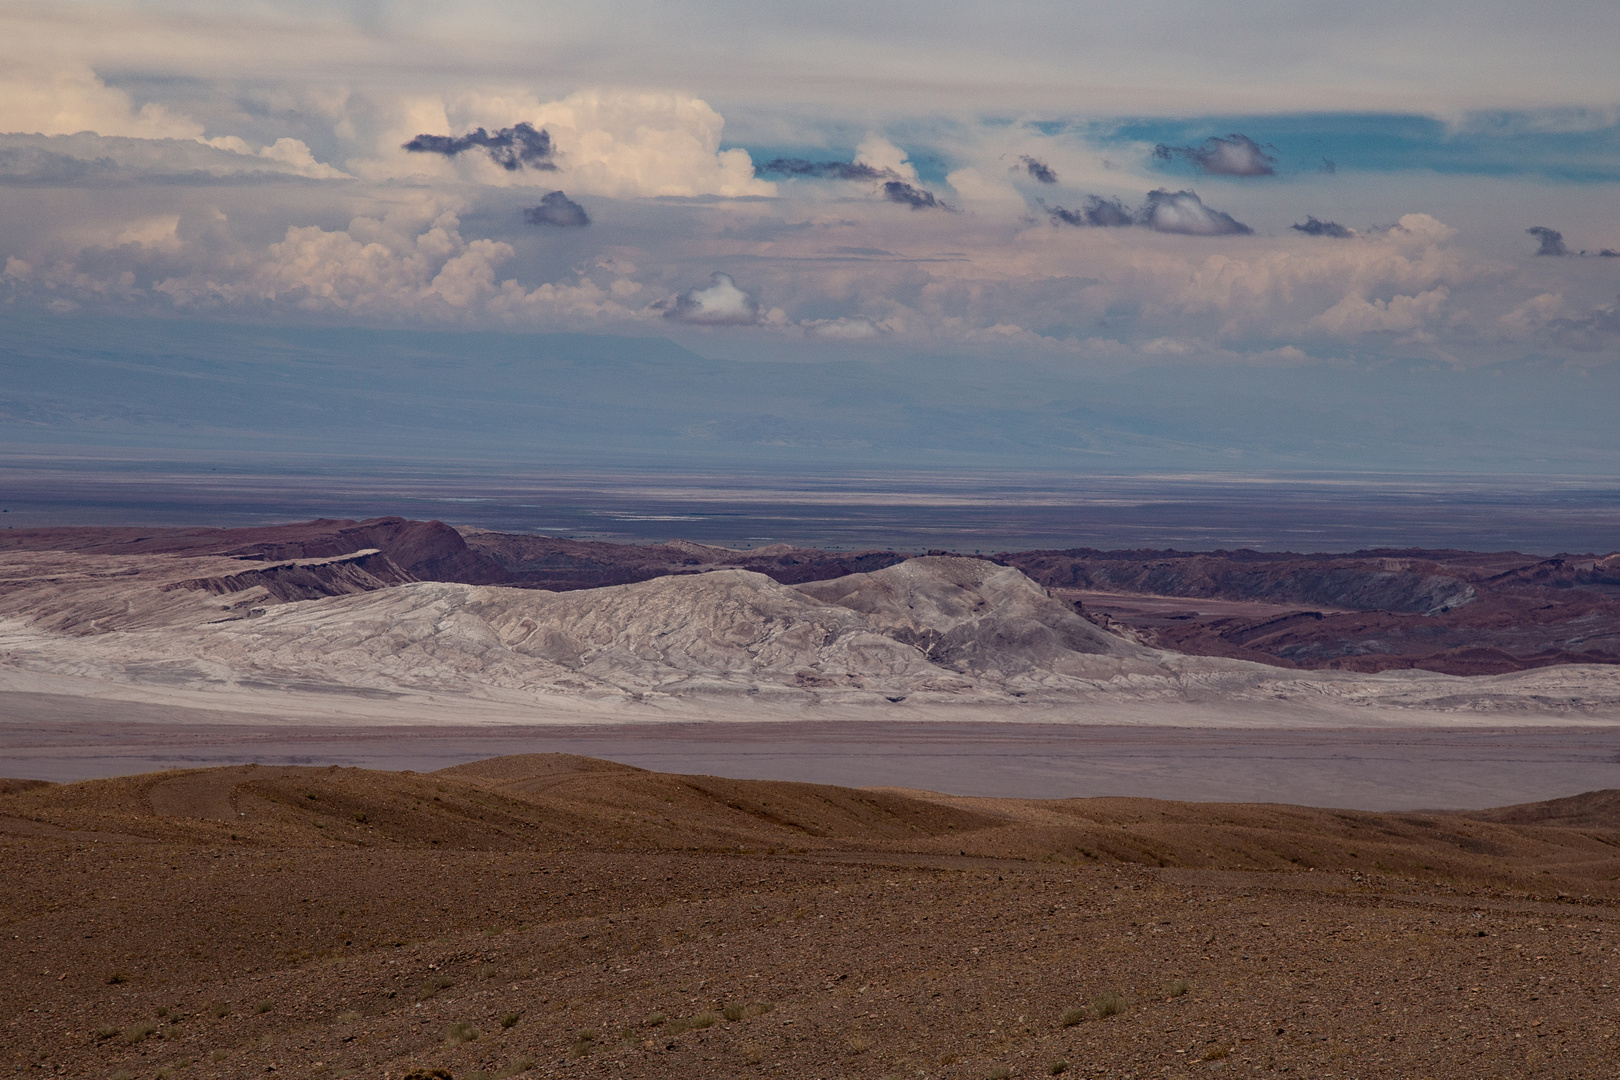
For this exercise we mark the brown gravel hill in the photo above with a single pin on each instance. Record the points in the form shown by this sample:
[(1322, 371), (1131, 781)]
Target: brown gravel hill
[(548, 915)]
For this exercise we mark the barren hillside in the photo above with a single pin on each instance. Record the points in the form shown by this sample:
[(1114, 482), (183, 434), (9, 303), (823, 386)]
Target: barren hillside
[(548, 916)]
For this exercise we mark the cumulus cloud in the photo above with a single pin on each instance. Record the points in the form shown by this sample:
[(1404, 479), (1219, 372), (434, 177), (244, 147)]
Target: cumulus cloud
[(859, 328), (1552, 241), (512, 148), (558, 210), (879, 153), (1180, 212), (836, 170), (1038, 169), (89, 159), (615, 144), (1235, 155), (69, 99), (1097, 212), (1313, 227), (719, 303), (891, 167), (898, 191), (1550, 317), (1185, 213)]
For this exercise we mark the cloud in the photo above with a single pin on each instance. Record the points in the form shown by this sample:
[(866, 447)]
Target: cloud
[(1548, 315), (613, 144), (557, 209), (859, 328), (1313, 227), (1181, 212), (898, 191), (720, 303), (1235, 155), (511, 148), (1552, 241), (1185, 213), (1039, 170), (89, 159), (881, 154), (1097, 212), (73, 98), (836, 170)]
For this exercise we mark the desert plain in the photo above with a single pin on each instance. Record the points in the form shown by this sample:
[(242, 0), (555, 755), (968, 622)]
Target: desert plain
[(552, 915)]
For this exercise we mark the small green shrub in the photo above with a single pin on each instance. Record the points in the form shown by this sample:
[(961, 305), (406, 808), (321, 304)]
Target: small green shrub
[(219, 1009), (137, 1032), (264, 1007), (734, 1012), (1107, 1003), (656, 1020), (217, 1056), (705, 1020), (1000, 1072), (1176, 988), (461, 1033), (106, 1032), (1072, 1017), (1056, 1067), (433, 986), (511, 1019)]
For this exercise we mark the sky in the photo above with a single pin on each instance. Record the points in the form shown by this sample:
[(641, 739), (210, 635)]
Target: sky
[(1261, 196)]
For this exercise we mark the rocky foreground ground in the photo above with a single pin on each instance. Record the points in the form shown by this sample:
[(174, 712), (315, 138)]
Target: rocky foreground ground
[(558, 916)]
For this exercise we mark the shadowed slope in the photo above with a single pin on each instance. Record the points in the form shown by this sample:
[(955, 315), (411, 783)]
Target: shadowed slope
[(973, 615), (1590, 810)]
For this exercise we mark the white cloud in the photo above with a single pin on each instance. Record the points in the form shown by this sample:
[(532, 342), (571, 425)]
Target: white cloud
[(720, 303), (1356, 314), (619, 144), (38, 99), (880, 153), (295, 153)]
